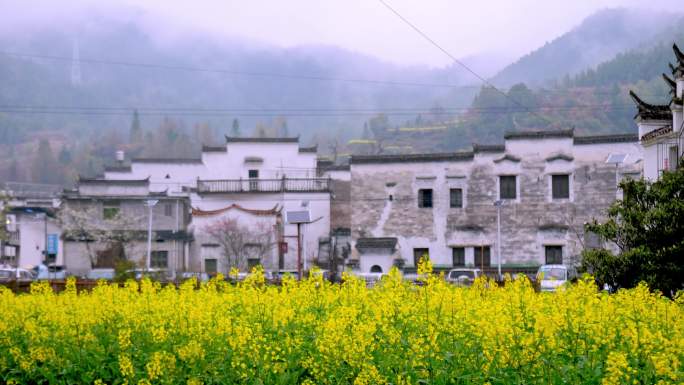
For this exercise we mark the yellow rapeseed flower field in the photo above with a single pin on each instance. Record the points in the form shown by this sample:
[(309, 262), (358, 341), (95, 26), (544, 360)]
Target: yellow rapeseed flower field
[(314, 332)]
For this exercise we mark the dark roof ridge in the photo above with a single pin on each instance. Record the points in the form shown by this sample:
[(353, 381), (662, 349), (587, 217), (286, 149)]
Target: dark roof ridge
[(410, 158), (671, 83), (649, 111), (117, 167), (214, 148), (166, 160), (488, 147), (657, 132), (610, 138), (235, 139), (541, 134), (82, 179), (678, 54)]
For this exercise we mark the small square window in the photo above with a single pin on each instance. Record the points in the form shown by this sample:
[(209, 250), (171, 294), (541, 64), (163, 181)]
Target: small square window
[(252, 262), (456, 197), (210, 266), (110, 209), (507, 188), (425, 198), (560, 186), (554, 255), (458, 256), (419, 253), (159, 259), (483, 256)]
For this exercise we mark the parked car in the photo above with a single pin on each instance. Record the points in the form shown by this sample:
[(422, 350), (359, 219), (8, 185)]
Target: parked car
[(100, 274), (16, 274), (49, 272), (551, 277), (370, 278), (201, 277), (156, 274), (464, 277), (277, 276)]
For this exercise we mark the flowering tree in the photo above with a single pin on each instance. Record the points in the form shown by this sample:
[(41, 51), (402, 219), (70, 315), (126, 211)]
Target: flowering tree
[(240, 242), (106, 239)]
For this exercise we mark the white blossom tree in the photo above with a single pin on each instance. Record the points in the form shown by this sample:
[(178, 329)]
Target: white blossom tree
[(84, 222), (240, 243)]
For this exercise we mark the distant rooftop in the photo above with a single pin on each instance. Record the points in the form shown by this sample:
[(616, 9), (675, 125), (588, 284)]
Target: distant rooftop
[(614, 138), (31, 190), (168, 160), (213, 148), (543, 134), (411, 158), (234, 139)]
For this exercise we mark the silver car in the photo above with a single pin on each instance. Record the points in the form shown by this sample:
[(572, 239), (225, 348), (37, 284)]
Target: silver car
[(464, 277)]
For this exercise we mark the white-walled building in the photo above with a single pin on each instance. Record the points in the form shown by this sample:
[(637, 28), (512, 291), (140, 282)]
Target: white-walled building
[(661, 127), (120, 210), (443, 205), (254, 181), (32, 227)]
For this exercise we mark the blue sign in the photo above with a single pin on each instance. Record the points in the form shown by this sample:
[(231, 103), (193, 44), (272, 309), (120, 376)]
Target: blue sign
[(52, 243)]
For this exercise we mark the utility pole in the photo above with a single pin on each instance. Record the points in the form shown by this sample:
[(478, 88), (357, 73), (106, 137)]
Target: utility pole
[(498, 204), (150, 204), (299, 251)]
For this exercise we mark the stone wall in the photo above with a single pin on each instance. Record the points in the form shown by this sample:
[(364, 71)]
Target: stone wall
[(384, 202)]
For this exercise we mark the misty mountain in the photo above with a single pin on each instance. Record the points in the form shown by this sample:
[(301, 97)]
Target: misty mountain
[(298, 84), (598, 38)]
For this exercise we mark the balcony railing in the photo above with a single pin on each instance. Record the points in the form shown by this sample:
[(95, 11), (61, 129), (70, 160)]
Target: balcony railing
[(13, 238), (263, 185)]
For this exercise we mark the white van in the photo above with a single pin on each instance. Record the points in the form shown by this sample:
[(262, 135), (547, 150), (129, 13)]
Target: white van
[(551, 277)]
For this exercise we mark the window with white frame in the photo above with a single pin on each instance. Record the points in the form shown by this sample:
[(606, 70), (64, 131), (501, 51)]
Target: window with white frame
[(507, 187), (560, 186)]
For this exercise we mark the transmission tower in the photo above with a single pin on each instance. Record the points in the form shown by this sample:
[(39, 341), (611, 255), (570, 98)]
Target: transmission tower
[(75, 65)]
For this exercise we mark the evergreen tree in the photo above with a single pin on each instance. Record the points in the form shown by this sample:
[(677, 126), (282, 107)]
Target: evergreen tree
[(235, 131), (647, 226), (366, 132), (284, 131), (64, 156), (136, 134), (45, 168)]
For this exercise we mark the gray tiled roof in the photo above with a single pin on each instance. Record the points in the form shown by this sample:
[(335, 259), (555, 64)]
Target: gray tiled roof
[(233, 139), (411, 158), (488, 148), (647, 111), (168, 160), (543, 134), (615, 138), (209, 148)]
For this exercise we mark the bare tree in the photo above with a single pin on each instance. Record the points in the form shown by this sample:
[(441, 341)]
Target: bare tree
[(84, 222), (240, 243)]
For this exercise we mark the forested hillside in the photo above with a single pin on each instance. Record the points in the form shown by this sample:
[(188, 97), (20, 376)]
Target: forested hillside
[(187, 90), (597, 39)]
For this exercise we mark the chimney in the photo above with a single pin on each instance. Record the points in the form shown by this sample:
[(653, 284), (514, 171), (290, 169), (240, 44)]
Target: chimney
[(119, 156)]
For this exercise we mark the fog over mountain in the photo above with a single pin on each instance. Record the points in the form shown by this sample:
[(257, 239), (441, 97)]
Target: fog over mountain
[(190, 86)]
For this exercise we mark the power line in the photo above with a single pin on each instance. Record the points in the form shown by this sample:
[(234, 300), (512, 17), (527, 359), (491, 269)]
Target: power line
[(310, 77), (305, 113), (230, 72), (452, 57)]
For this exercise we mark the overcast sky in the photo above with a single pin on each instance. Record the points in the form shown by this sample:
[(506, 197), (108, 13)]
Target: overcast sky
[(508, 27)]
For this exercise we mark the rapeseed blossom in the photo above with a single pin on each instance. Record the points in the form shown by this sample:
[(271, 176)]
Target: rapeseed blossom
[(315, 332)]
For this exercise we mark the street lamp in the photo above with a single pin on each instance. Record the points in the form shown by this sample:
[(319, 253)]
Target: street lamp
[(150, 204), (498, 205)]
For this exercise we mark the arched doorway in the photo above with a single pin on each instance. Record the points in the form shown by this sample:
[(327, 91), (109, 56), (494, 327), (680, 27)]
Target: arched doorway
[(376, 269)]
